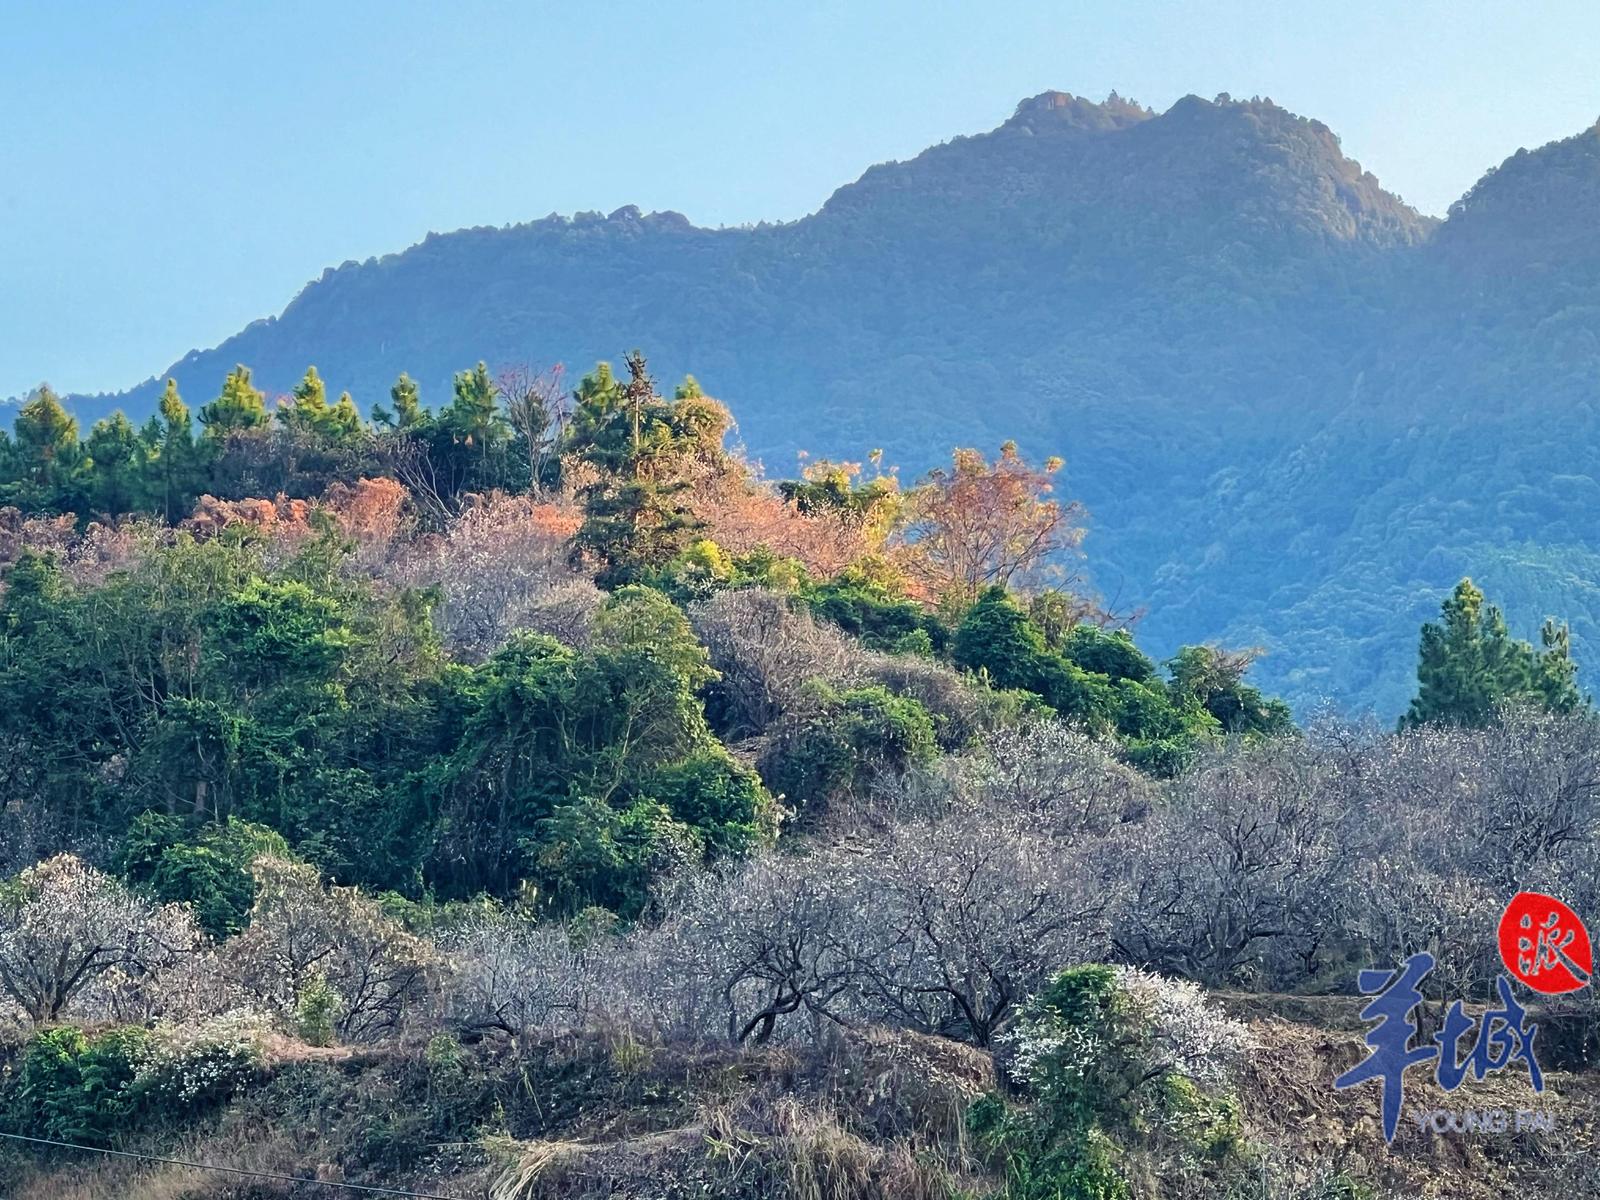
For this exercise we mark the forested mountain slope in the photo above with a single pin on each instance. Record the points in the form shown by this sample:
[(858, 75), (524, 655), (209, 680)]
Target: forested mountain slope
[(1296, 410), (1466, 442)]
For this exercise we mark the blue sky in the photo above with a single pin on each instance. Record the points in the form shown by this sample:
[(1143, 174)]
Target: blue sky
[(170, 172)]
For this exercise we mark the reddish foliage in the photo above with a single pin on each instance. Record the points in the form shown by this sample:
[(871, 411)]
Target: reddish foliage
[(978, 524), (87, 556), (743, 514), (282, 517), (373, 513)]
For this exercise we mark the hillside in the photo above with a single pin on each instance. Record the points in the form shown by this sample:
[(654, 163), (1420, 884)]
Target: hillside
[(1296, 410), (574, 812), (1466, 444), (877, 1115)]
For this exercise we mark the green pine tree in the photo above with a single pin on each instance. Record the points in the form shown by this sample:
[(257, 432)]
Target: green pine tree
[(49, 458), (408, 412), (309, 412), (116, 466), (344, 420), (635, 515), (1555, 675), (175, 461), (240, 406), (1469, 664)]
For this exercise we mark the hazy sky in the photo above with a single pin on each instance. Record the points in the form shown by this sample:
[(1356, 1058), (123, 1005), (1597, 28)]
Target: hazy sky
[(172, 171)]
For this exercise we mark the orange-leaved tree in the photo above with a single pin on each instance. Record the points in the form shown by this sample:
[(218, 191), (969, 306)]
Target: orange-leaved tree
[(979, 524)]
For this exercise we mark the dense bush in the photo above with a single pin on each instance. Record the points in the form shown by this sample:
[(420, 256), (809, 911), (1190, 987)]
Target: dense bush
[(78, 1087), (1100, 681), (1111, 1060), (842, 742), (878, 616), (206, 868)]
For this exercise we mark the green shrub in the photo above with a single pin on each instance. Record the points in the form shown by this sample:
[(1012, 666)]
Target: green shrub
[(591, 854), (997, 638), (44, 1089), (843, 742), (1205, 1124), (718, 797), (110, 1072), (880, 618), (1073, 1164), (1111, 653), (1101, 681), (1112, 1061), (315, 1010), (73, 1087), (207, 868)]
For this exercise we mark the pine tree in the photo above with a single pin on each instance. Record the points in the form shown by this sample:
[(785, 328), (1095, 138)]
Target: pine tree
[(635, 517), (241, 406), (176, 461), (116, 465), (47, 451), (44, 428), (1554, 673), (1469, 664), (344, 419), (473, 417), (309, 412), (469, 439), (407, 412)]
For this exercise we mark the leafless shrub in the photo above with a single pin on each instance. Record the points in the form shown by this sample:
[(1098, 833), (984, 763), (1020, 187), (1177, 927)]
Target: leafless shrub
[(779, 933), (959, 920), (1056, 774), (566, 611), (511, 974), (1240, 856), (766, 648), (303, 935), (1541, 802), (664, 983), (501, 566)]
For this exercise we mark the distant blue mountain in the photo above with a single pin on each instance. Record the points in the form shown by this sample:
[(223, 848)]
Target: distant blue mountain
[(1297, 410)]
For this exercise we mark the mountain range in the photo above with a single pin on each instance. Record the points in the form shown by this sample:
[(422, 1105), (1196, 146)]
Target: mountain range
[(1296, 409)]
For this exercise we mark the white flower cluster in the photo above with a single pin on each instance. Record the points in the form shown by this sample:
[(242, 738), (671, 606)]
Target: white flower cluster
[(188, 1064), (1159, 1025), (1186, 1032), (1041, 1048)]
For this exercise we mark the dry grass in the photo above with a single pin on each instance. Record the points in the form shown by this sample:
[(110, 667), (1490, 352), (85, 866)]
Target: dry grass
[(102, 1178), (106, 1181), (572, 1170), (802, 1150), (818, 1159), (278, 1049), (531, 1166), (825, 1129), (877, 1114)]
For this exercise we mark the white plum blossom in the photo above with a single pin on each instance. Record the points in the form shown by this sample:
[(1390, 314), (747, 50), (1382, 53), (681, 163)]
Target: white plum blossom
[(70, 934)]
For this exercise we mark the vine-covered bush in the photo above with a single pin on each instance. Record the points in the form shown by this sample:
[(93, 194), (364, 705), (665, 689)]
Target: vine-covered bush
[(845, 741)]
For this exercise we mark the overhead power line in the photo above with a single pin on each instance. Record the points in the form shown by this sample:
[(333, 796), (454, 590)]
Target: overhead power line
[(178, 1162)]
